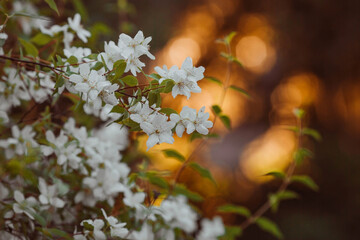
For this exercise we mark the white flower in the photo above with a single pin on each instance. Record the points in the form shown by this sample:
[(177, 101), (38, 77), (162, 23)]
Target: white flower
[(23, 205), (108, 94), (177, 213), (143, 113), (136, 46), (111, 55), (133, 64), (90, 83), (134, 199), (66, 153), (98, 224), (159, 130), (48, 195), (193, 73), (211, 230), (78, 28), (20, 141), (201, 122), (146, 233), (116, 229)]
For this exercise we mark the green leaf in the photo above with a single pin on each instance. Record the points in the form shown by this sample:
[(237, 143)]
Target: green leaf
[(230, 208), (72, 60), (29, 47), (80, 8), (226, 121), (58, 233), (174, 154), (60, 81), (312, 133), (154, 76), (216, 109), (240, 90), (269, 226), (229, 37), (181, 189), (299, 113), (156, 180), (118, 109), (231, 232), (98, 66), (168, 111), (153, 98), (277, 197), (213, 79), (202, 171), (301, 154), (53, 6), (305, 180), (169, 84), (276, 174), (119, 67), (41, 39), (130, 80), (39, 219), (196, 135)]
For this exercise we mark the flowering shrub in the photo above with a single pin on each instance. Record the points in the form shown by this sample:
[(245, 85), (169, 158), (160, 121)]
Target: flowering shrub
[(63, 180)]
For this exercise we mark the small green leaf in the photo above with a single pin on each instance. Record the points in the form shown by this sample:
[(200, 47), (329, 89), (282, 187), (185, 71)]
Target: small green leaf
[(230, 208), (60, 81), (174, 154), (276, 174), (196, 135), (277, 197), (269, 226), (153, 98), (154, 76), (158, 181), (202, 171), (98, 66), (39, 219), (72, 60), (118, 109), (216, 109), (41, 39), (301, 154), (299, 113), (306, 180), (169, 84), (226, 121), (213, 79), (231, 232), (119, 67), (240, 90), (168, 111), (181, 189), (130, 80), (58, 233), (229, 37), (312, 133), (29, 47), (53, 6)]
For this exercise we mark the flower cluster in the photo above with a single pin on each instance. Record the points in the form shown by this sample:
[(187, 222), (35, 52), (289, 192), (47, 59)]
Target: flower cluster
[(63, 166)]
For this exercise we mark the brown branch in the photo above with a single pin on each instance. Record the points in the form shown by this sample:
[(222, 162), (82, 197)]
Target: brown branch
[(17, 60)]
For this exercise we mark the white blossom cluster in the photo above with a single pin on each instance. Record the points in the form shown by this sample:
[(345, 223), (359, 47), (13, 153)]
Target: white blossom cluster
[(58, 171)]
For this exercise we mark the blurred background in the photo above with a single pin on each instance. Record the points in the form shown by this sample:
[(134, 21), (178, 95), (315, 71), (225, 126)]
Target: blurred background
[(300, 53)]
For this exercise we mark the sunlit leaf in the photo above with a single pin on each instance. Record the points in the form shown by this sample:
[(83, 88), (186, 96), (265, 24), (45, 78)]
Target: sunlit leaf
[(301, 154), (229, 37), (299, 113), (130, 80), (275, 198), (230, 208), (53, 6), (168, 111), (213, 79), (72, 60), (276, 174), (226, 121), (269, 226), (41, 39), (29, 47), (305, 180), (216, 109), (240, 90), (202, 171), (181, 189), (313, 133), (174, 154)]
